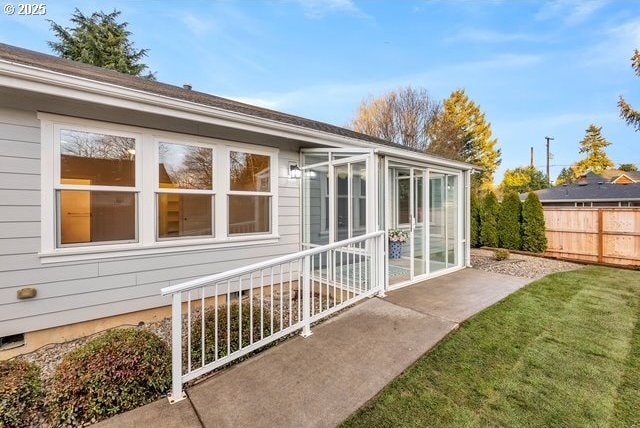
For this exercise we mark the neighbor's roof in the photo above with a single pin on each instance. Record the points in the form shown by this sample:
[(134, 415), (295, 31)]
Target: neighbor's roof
[(73, 68), (612, 174), (589, 192)]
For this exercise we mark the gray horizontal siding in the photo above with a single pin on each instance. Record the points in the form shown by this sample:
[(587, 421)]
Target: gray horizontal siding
[(79, 291), (19, 181)]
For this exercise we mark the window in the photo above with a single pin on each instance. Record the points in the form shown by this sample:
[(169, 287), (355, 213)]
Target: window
[(184, 198), (96, 193), (127, 188), (249, 193)]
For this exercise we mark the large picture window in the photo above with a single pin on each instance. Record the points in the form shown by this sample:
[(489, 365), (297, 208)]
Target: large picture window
[(126, 188), (249, 193), (184, 198), (96, 192)]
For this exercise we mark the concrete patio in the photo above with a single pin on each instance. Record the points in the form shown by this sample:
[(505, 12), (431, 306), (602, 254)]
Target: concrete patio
[(321, 380)]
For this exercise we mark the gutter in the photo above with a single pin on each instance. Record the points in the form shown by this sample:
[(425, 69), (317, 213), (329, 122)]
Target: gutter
[(24, 77)]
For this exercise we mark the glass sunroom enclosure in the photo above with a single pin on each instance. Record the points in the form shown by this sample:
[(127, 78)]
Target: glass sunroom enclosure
[(348, 193)]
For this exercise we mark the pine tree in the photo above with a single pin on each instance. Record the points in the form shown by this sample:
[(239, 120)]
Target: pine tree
[(628, 167), (534, 238), (479, 147), (100, 40), (566, 176), (475, 221), (594, 145), (489, 220), (631, 116), (509, 221)]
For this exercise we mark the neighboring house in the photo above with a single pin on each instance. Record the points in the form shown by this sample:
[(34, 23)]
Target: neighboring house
[(611, 188), (113, 187)]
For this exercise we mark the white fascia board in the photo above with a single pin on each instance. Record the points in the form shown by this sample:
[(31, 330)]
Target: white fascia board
[(24, 77)]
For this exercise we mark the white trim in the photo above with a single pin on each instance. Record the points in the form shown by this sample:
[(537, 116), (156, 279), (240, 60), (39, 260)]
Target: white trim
[(146, 189)]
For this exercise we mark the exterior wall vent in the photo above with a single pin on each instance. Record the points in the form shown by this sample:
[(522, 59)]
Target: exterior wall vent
[(12, 341)]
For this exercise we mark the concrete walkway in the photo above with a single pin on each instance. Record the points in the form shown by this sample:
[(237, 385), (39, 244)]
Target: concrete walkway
[(321, 380)]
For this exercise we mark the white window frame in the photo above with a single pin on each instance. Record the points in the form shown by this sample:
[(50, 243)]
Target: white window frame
[(273, 185), (147, 186), (211, 192)]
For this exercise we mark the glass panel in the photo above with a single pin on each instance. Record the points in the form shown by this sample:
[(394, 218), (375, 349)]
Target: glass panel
[(419, 232), (249, 214), (250, 172), (342, 202), (316, 205), (313, 158), (400, 252), (437, 250), (184, 215), (404, 192), (359, 198), (97, 159), (90, 216), (452, 220), (185, 167)]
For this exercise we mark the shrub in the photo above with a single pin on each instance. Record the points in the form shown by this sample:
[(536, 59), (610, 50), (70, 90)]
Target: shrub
[(234, 327), (509, 222), (475, 220), (501, 254), (118, 371), (489, 220), (533, 229), (20, 392)]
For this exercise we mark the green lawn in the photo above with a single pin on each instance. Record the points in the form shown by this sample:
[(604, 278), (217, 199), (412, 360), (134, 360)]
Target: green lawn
[(564, 351)]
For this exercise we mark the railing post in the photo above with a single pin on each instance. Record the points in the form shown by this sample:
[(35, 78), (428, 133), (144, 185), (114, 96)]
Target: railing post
[(306, 296), (176, 349), (380, 261)]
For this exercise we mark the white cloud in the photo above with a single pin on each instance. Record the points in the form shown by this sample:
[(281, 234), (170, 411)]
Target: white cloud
[(196, 25), (572, 12), (316, 9), (490, 36)]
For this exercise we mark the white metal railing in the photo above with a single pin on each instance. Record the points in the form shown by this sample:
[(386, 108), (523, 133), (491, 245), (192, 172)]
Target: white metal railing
[(219, 318)]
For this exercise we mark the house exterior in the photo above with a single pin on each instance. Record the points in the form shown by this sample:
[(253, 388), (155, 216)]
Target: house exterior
[(113, 187), (610, 189)]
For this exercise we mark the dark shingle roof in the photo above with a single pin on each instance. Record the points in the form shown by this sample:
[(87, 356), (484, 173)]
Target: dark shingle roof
[(589, 192), (48, 62)]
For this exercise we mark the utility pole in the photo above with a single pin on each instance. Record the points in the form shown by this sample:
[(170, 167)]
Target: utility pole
[(548, 156), (532, 162)]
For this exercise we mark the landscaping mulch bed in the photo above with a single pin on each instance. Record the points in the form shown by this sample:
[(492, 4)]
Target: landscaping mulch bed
[(518, 264)]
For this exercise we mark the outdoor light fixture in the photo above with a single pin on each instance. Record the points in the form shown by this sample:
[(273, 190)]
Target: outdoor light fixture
[(294, 171)]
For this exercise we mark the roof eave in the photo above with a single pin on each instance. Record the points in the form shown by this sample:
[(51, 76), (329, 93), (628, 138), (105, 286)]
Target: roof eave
[(26, 77)]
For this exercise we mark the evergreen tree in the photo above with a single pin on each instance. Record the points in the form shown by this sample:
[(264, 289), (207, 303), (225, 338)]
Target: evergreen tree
[(631, 116), (533, 228), (509, 221), (489, 220), (566, 176), (100, 40), (479, 147), (628, 167), (594, 145), (475, 220), (523, 179)]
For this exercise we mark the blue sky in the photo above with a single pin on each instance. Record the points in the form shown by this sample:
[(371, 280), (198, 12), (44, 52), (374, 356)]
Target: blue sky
[(535, 68)]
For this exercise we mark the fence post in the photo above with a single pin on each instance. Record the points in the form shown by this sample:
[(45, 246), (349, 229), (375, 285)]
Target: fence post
[(176, 349), (600, 234), (306, 296)]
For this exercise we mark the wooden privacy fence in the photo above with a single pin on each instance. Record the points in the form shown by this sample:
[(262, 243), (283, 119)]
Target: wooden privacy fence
[(600, 235)]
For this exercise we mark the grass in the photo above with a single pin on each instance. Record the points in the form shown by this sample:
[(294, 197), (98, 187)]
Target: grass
[(563, 351)]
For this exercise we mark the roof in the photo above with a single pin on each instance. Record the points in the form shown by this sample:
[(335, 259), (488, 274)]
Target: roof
[(39, 60), (610, 175), (589, 192)]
